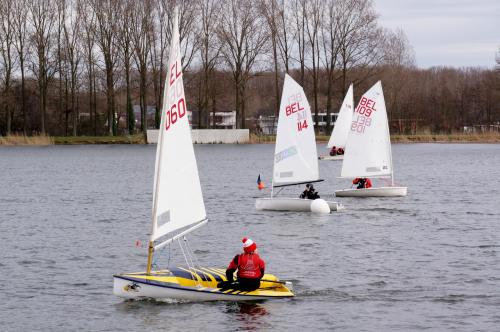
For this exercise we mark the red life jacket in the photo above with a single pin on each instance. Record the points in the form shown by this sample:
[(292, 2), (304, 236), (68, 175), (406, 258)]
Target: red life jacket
[(249, 266), (368, 183)]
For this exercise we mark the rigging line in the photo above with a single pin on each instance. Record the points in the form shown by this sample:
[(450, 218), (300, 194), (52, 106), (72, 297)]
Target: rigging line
[(187, 262), (190, 253), (169, 254)]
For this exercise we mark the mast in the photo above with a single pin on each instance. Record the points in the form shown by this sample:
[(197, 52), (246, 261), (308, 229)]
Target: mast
[(159, 153)]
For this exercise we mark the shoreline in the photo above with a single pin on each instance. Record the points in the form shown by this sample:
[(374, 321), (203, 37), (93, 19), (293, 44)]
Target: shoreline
[(18, 140)]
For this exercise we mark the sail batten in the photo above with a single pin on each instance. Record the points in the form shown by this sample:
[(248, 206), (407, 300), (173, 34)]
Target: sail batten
[(295, 157), (368, 149), (177, 197), (181, 234), (343, 122)]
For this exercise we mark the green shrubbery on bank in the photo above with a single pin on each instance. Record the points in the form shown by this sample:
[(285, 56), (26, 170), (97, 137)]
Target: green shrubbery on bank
[(254, 139)]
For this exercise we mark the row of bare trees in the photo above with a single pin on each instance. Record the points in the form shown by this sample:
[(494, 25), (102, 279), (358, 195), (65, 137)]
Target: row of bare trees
[(71, 67)]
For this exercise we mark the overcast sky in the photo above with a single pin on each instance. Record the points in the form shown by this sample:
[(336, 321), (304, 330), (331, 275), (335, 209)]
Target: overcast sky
[(446, 32)]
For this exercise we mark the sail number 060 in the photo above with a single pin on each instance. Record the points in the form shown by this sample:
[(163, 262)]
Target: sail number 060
[(176, 111)]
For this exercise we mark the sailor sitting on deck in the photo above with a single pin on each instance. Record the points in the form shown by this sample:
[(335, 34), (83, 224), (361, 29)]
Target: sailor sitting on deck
[(340, 151), (333, 151), (309, 193), (362, 183), (250, 268)]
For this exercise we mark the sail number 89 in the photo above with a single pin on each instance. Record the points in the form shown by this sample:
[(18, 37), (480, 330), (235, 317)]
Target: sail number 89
[(176, 111)]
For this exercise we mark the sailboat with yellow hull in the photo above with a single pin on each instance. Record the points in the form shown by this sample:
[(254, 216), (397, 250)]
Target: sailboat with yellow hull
[(178, 209)]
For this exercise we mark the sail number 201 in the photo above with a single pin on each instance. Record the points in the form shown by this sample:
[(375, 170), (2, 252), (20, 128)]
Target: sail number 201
[(362, 118)]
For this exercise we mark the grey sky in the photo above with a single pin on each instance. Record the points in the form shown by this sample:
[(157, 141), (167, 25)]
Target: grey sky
[(446, 32)]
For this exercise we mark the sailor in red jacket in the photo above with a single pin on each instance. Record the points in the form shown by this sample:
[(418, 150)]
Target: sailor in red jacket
[(249, 265), (362, 183)]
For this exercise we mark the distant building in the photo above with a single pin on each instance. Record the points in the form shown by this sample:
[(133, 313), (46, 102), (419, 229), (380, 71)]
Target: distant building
[(267, 125), (224, 120), (481, 129)]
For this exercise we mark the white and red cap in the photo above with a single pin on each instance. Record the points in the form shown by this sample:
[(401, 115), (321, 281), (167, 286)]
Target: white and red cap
[(248, 245)]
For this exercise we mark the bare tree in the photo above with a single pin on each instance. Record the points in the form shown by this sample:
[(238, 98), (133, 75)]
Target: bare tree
[(106, 15), (209, 48), (243, 38), (313, 17), (398, 57), (361, 39), (159, 43), (20, 23), (90, 60), (270, 9), (126, 21), (63, 79), (141, 30), (283, 35), (72, 29), (330, 44), (43, 19), (7, 50), (299, 15)]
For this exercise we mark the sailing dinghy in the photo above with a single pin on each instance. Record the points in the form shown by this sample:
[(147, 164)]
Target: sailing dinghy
[(368, 151), (341, 127), (295, 157), (178, 209)]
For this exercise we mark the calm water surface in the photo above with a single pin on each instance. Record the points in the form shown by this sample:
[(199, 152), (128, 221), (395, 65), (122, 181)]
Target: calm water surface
[(70, 217)]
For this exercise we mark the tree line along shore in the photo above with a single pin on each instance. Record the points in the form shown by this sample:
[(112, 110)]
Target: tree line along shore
[(16, 140), (96, 68)]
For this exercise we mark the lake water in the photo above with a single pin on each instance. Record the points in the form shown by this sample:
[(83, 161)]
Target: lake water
[(70, 217)]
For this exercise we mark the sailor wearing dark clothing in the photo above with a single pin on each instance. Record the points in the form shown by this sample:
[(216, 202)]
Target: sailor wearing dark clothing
[(309, 193)]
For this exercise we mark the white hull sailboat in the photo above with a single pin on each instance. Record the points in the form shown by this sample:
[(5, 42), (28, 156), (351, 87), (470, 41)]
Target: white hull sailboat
[(337, 157), (291, 204), (178, 209), (368, 151), (342, 125), (373, 192), (295, 157)]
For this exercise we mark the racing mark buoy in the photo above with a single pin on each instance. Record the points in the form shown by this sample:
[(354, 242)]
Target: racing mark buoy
[(320, 206)]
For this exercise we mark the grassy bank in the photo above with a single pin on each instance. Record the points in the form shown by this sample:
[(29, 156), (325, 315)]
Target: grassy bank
[(254, 139), (451, 138), (69, 140), (420, 138), (26, 140)]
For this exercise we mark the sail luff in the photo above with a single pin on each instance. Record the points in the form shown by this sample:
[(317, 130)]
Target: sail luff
[(341, 128), (159, 145)]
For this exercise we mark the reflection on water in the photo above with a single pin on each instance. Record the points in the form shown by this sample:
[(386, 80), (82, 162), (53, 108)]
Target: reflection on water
[(249, 315)]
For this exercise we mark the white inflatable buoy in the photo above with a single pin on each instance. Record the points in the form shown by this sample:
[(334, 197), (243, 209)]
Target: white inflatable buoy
[(320, 206)]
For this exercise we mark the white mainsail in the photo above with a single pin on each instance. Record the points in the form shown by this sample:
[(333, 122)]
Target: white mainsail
[(343, 123), (295, 156), (177, 197), (368, 150)]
